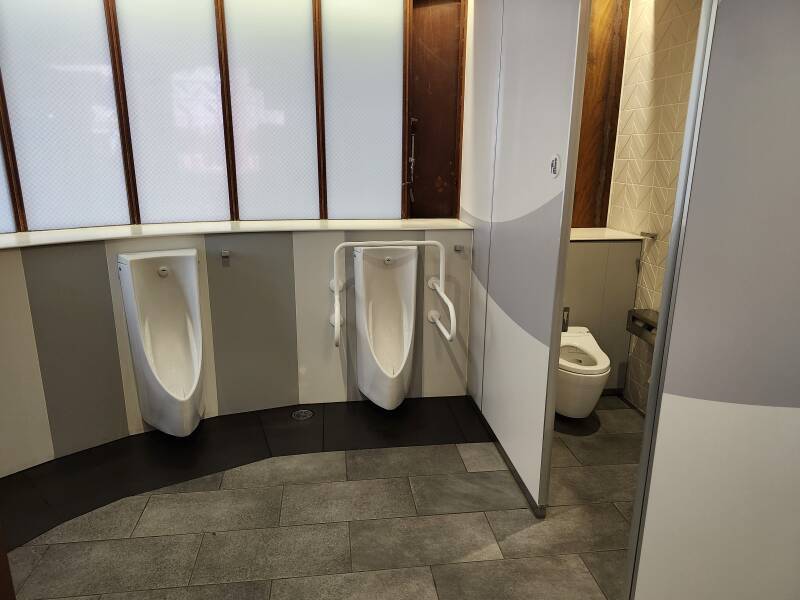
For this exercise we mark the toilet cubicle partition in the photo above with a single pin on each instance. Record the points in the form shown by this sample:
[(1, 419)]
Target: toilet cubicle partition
[(436, 284)]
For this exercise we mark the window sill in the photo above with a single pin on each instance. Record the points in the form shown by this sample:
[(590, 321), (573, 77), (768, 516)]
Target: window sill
[(115, 232)]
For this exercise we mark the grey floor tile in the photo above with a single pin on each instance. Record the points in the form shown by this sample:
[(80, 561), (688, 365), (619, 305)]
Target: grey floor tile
[(565, 530), (248, 590), (112, 566), (201, 484), (611, 403), (198, 512), (620, 421), (417, 541), (402, 462), (605, 448), (542, 578), (562, 457), (400, 584), (346, 501), (272, 553), (114, 521), (298, 468), (482, 457), (22, 561), (626, 508), (467, 492), (581, 485), (610, 570)]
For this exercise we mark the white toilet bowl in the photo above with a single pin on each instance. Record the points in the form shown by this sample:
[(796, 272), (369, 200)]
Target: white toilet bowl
[(386, 291), (583, 370), (162, 309)]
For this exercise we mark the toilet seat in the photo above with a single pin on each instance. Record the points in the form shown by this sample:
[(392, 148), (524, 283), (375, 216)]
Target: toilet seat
[(581, 354)]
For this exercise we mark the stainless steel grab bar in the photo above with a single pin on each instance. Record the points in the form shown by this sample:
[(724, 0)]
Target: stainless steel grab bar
[(436, 284)]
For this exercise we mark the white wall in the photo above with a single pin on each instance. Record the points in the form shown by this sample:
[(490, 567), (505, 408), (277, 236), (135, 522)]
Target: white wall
[(721, 519), (521, 68)]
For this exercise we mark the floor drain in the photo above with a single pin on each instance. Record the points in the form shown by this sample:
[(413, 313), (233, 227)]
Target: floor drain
[(302, 414)]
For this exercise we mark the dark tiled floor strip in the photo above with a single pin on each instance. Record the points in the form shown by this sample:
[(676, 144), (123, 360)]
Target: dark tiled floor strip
[(37, 499)]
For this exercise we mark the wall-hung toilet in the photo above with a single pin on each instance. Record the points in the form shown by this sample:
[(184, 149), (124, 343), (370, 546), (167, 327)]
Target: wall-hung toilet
[(583, 370), (386, 290), (161, 296)]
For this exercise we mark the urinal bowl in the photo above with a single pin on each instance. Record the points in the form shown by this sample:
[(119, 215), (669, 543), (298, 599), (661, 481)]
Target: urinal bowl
[(162, 309), (385, 290)]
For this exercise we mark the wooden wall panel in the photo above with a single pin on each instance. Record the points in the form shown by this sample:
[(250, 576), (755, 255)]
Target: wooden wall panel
[(607, 28), (434, 106)]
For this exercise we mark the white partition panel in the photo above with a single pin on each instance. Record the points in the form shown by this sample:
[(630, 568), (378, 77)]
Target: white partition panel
[(7, 224), (60, 93), (271, 60), (363, 74), (169, 50)]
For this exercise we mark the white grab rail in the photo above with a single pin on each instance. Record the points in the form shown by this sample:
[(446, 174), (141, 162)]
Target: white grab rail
[(434, 283)]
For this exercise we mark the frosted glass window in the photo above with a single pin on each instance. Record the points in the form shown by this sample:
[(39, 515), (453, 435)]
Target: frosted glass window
[(60, 94), (7, 224), (363, 77), (169, 51), (271, 61)]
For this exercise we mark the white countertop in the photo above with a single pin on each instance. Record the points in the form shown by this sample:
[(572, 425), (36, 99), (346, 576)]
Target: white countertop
[(600, 234), (115, 232)]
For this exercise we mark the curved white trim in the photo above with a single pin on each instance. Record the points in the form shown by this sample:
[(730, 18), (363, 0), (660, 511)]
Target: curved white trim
[(89, 234)]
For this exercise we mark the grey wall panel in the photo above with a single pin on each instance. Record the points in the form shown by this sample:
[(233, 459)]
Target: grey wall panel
[(415, 389), (73, 321), (724, 478), (253, 318), (739, 278)]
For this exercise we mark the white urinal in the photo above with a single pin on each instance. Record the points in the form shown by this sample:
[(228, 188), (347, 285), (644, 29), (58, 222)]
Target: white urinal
[(162, 308), (386, 291)]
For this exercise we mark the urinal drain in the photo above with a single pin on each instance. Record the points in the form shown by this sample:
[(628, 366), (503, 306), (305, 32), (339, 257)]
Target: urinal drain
[(302, 414)]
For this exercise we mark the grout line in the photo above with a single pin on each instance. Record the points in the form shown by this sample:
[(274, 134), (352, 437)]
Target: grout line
[(130, 535), (597, 583), (196, 556), (494, 533), (350, 546), (619, 510), (280, 507), (413, 497), (33, 570), (461, 456), (435, 588)]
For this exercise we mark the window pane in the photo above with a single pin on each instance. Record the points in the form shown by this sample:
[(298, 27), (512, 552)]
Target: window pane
[(7, 224), (363, 74), (271, 60), (60, 94), (169, 51)]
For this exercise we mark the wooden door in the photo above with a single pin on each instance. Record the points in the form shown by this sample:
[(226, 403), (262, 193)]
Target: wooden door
[(434, 107)]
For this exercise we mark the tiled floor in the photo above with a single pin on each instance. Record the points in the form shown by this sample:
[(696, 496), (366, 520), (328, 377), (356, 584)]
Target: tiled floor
[(423, 522), (592, 486), (444, 522)]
